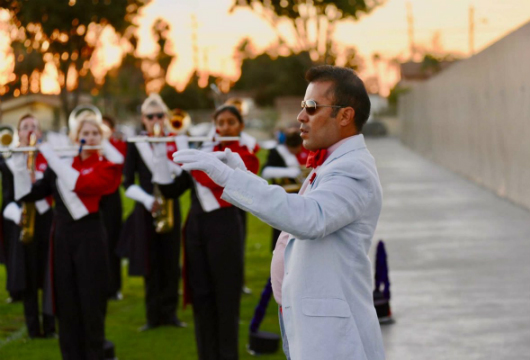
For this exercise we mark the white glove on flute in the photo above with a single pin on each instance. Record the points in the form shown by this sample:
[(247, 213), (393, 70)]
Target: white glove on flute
[(207, 162), (65, 172), (231, 159)]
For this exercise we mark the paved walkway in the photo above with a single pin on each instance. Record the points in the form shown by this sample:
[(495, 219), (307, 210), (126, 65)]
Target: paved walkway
[(459, 259)]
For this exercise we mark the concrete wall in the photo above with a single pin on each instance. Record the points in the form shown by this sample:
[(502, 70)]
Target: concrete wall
[(474, 118)]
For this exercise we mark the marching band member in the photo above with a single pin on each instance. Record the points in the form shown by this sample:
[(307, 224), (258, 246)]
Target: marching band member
[(28, 255), (153, 255), (6, 224), (214, 248), (284, 164), (112, 210), (79, 247)]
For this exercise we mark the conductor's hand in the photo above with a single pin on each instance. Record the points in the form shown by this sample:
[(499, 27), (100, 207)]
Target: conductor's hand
[(231, 159), (203, 161)]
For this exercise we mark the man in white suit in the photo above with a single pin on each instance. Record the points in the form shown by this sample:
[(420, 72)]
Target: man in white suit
[(321, 272)]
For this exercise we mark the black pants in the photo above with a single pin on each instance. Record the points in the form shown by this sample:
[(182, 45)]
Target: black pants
[(111, 210), (214, 259), (162, 279), (36, 256), (81, 286)]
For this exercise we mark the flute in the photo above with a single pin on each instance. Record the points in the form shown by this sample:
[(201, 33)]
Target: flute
[(166, 139), (58, 149)]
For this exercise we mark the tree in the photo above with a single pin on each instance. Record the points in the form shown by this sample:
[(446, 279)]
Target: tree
[(193, 96), (67, 34), (323, 15), (158, 66), (266, 77), (124, 88)]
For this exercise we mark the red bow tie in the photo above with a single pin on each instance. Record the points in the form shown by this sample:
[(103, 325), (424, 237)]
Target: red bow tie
[(316, 158)]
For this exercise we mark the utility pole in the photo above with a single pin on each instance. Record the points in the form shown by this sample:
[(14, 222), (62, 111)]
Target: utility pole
[(410, 22), (471, 30)]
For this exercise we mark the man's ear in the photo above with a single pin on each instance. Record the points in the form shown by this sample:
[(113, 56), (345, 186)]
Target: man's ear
[(347, 116)]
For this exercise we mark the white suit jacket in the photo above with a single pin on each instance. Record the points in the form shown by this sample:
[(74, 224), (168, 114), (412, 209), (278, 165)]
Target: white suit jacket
[(327, 302)]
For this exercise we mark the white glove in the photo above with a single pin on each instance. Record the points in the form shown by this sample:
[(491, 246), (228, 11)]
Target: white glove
[(137, 193), (21, 177), (111, 153), (161, 172), (13, 212), (67, 174), (231, 159), (203, 161)]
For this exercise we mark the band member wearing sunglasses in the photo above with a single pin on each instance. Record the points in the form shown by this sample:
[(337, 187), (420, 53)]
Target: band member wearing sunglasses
[(79, 245), (214, 247), (28, 259), (321, 273), (155, 256)]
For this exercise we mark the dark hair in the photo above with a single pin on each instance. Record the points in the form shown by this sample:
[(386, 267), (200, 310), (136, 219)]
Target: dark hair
[(292, 138), (230, 108), (110, 120), (348, 90), (24, 117)]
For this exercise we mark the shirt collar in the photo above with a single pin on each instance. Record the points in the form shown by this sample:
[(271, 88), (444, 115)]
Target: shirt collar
[(335, 146)]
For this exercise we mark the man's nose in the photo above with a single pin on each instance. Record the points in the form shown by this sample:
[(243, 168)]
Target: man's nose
[(302, 116)]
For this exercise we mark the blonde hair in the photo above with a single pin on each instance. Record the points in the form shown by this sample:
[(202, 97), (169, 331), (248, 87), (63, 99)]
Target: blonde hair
[(154, 100), (85, 117)]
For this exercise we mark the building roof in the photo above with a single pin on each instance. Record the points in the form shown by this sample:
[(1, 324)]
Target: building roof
[(21, 101)]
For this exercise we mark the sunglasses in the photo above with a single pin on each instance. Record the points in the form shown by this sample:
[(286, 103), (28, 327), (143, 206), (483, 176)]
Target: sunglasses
[(155, 115), (311, 106)]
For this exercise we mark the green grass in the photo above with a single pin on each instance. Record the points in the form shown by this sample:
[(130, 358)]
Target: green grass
[(126, 316)]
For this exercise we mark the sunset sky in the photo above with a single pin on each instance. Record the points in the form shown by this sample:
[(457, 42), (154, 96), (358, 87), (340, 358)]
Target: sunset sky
[(384, 31)]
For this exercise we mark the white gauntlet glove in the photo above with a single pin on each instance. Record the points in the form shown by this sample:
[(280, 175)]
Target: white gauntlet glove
[(231, 159), (135, 192), (111, 153), (13, 212), (203, 161), (21, 177), (67, 174), (161, 172)]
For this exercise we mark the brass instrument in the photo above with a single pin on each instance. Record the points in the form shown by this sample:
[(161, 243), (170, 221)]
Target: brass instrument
[(73, 118), (27, 222), (7, 134), (179, 121), (295, 187), (239, 104), (7, 137), (163, 217)]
